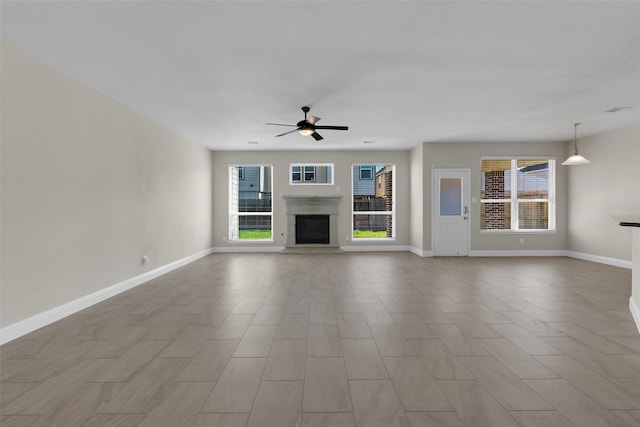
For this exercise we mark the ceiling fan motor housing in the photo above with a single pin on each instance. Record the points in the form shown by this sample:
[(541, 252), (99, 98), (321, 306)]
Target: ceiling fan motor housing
[(304, 124)]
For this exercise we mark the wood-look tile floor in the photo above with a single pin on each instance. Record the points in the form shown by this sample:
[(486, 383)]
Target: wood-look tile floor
[(378, 339)]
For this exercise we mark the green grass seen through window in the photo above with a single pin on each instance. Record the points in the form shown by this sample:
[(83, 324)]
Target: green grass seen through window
[(255, 234), (369, 233)]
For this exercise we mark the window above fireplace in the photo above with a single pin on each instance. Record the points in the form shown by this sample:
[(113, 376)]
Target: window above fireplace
[(311, 173)]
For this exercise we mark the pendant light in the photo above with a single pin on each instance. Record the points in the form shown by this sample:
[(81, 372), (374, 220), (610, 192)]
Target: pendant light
[(576, 159)]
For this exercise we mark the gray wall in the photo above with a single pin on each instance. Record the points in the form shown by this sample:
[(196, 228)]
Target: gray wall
[(467, 156), (416, 203), (608, 186), (342, 186), (89, 187)]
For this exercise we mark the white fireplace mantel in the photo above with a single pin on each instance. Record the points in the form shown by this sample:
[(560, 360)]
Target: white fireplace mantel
[(312, 205)]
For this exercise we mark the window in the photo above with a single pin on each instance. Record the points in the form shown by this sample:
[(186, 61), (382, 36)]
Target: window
[(366, 172), (373, 205), (517, 194), (308, 173), (296, 173), (250, 207)]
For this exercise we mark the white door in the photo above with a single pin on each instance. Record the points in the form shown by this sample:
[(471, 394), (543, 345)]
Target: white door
[(450, 212)]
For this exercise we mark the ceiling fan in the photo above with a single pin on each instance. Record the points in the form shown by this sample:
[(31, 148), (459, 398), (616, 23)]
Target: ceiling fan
[(308, 126)]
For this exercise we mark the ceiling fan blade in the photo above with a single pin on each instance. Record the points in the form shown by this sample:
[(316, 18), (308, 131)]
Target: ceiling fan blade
[(280, 124), (313, 119), (287, 133), (316, 136), (333, 127)]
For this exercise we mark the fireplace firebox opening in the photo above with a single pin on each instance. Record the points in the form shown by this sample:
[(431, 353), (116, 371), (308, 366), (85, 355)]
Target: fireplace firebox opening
[(312, 229)]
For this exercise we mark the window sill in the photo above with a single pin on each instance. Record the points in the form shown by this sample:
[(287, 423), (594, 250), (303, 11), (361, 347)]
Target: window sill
[(518, 231), (372, 239)]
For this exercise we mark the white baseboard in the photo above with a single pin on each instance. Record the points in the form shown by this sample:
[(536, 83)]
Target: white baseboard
[(420, 252), (378, 248), (635, 312), (246, 249), (600, 259), (515, 253), (23, 327)]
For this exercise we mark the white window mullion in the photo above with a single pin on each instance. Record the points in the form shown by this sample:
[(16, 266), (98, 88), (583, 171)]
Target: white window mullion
[(234, 222), (514, 195), (552, 195)]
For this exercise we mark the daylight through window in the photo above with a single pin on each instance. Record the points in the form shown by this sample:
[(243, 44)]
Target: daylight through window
[(316, 173), (517, 194), (373, 206), (250, 207)]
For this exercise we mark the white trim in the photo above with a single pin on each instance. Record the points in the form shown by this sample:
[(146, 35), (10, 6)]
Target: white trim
[(635, 312), (517, 157), (302, 181), (420, 252), (600, 259), (30, 324), (380, 248), (392, 212), (571, 254), (361, 240), (246, 249), (515, 253), (505, 232)]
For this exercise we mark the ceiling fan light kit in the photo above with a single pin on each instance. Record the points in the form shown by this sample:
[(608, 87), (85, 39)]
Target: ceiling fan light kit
[(576, 158), (307, 127)]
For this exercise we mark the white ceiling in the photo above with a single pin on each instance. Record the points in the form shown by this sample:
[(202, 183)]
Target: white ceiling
[(397, 73)]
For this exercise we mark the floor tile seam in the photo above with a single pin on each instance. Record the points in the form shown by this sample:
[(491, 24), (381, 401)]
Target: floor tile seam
[(494, 397), (255, 396), (588, 397), (509, 369), (589, 394), (22, 382), (393, 384)]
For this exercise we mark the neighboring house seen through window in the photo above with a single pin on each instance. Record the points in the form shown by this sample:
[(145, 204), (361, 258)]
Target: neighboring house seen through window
[(250, 205), (314, 173), (517, 194), (309, 174), (373, 206)]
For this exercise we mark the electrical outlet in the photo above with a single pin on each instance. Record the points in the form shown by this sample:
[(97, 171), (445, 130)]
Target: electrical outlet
[(522, 240), (145, 260), (224, 238)]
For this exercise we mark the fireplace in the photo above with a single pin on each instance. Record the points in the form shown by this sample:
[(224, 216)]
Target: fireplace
[(312, 224), (312, 229)]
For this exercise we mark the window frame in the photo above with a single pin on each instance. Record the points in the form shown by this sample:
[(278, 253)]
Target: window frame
[(303, 171), (309, 171), (298, 172), (233, 212), (514, 201), (392, 212)]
